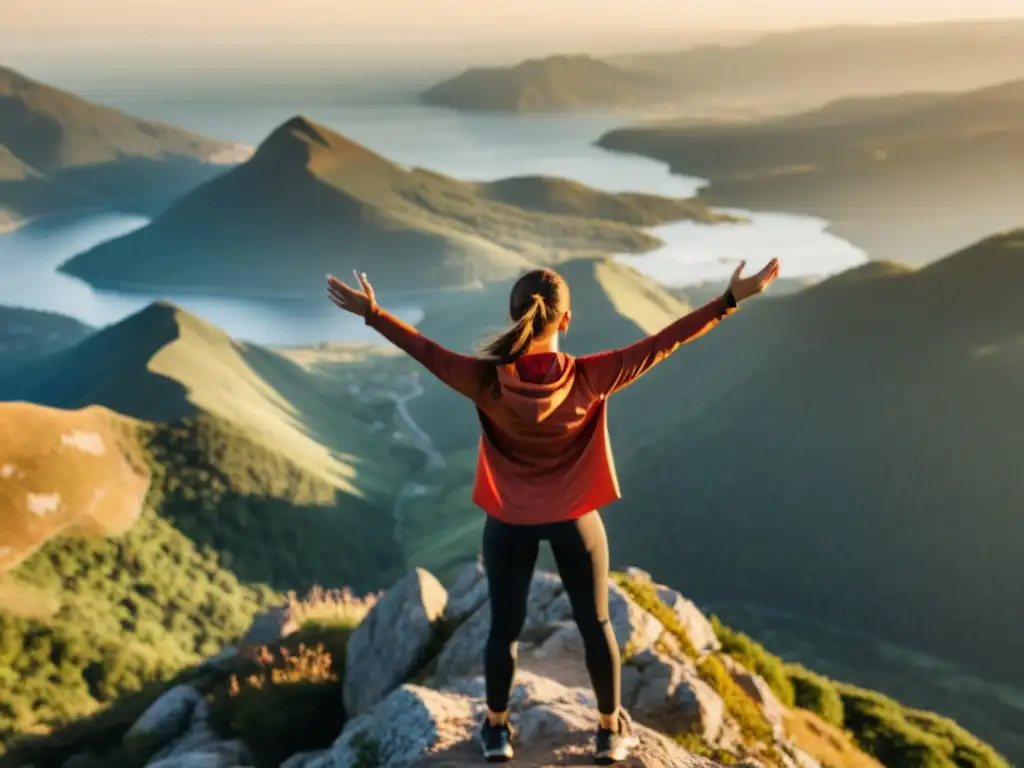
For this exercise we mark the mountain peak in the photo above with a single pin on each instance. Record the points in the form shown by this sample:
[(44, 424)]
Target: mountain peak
[(299, 139), (11, 80), (302, 128)]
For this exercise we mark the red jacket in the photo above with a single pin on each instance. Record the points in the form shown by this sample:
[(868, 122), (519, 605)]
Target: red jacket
[(545, 454)]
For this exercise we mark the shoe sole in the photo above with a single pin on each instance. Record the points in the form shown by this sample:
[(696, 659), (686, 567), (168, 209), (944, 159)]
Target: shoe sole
[(497, 757), (617, 756)]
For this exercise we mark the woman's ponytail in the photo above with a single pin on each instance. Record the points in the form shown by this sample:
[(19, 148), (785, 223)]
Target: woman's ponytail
[(509, 346)]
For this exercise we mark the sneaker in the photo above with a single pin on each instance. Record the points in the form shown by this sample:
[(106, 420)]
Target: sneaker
[(614, 746), (496, 741)]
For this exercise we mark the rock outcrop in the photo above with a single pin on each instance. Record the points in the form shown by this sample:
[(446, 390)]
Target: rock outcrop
[(266, 628), (392, 640), (415, 696), (168, 716)]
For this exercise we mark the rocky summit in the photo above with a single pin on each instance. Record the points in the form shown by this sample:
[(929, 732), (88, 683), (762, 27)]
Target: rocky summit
[(414, 693)]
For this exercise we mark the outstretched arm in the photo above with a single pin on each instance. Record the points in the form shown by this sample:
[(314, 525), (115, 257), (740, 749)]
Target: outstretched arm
[(608, 372), (462, 373)]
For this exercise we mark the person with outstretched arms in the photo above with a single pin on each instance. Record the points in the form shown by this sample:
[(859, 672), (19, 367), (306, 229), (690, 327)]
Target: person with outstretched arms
[(545, 468)]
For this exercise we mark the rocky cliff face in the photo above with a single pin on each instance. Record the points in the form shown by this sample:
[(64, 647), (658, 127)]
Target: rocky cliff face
[(414, 695)]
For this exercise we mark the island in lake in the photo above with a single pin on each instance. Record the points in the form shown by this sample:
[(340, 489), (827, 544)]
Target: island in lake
[(312, 201)]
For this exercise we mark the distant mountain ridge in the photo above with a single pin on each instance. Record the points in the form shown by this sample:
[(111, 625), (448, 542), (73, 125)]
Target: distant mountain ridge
[(59, 152), (555, 83), (312, 201), (870, 165), (781, 71)]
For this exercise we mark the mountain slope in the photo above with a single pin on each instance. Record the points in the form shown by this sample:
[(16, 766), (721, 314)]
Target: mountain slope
[(730, 702), (841, 476), (65, 471), (27, 334), (778, 461), (58, 151), (868, 165), (99, 594), (312, 201), (556, 83), (803, 68), (251, 451)]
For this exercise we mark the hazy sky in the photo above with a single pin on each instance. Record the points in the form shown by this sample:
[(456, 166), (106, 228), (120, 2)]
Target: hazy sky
[(499, 20), (51, 34)]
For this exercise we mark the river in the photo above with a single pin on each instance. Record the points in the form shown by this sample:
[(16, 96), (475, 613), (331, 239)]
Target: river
[(468, 146)]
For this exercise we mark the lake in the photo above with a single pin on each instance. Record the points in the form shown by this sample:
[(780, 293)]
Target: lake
[(478, 147)]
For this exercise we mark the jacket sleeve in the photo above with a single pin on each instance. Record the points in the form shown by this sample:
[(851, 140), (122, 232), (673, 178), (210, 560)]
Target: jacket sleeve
[(464, 374), (608, 372)]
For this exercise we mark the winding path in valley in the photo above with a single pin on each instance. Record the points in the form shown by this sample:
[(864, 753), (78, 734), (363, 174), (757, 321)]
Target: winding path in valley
[(422, 442)]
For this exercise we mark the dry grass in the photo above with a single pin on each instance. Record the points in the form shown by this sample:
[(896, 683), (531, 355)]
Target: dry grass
[(827, 744), (307, 665), (24, 601), (330, 607), (65, 472)]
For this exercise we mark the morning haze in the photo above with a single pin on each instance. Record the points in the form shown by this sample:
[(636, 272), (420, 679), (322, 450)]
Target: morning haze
[(406, 29), (255, 517)]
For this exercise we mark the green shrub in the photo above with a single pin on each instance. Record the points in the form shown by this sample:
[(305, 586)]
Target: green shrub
[(695, 744), (816, 694), (134, 610), (900, 736), (646, 596), (276, 522), (738, 703), (288, 699), (754, 657)]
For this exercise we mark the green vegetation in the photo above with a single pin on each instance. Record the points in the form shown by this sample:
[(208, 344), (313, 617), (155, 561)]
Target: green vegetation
[(251, 454), (754, 657), (816, 694), (877, 349), (908, 376), (900, 736), (696, 745), (740, 706), (133, 610), (895, 734), (270, 521), (259, 475), (288, 699), (646, 596), (738, 703), (59, 152), (313, 192)]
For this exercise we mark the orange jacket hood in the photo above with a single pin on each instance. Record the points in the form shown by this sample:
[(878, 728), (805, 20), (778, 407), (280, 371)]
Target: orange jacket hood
[(535, 402)]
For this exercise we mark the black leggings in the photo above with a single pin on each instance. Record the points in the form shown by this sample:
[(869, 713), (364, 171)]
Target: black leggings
[(580, 548)]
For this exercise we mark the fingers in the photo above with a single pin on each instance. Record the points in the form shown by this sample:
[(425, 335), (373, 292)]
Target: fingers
[(769, 272), (365, 283), (738, 271), (338, 292)]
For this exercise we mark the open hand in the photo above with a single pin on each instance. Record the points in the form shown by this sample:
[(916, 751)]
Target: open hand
[(350, 299), (745, 287)]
